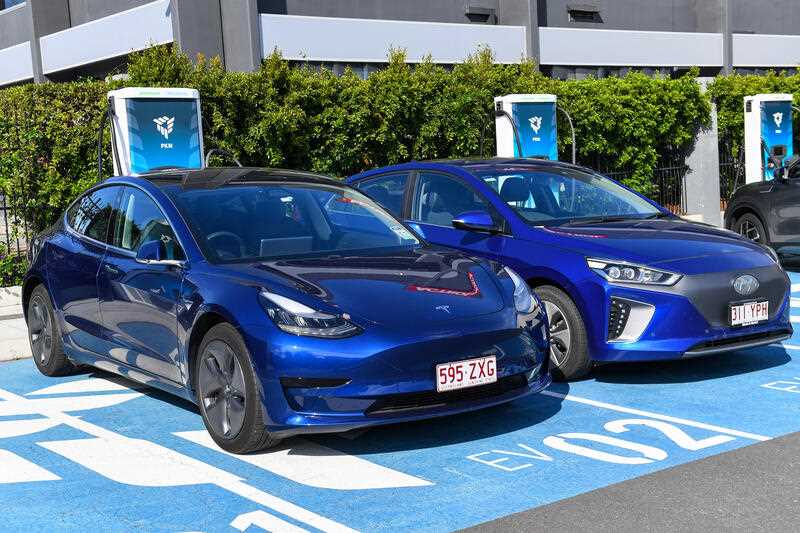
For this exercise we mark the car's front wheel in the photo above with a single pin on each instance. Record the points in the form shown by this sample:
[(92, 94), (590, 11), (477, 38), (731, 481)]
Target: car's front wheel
[(750, 227), (44, 334), (569, 354), (225, 384)]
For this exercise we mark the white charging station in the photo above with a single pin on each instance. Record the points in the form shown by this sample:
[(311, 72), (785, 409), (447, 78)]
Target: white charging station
[(155, 128), (767, 135), (534, 117)]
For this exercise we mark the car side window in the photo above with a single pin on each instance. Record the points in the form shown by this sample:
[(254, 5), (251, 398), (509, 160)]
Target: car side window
[(139, 220), (91, 214), (439, 198), (387, 190)]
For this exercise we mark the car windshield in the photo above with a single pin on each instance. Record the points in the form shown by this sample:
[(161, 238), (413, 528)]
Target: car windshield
[(263, 221), (555, 196)]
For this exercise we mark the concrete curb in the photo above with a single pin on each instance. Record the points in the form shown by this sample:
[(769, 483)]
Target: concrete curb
[(10, 302), (14, 342)]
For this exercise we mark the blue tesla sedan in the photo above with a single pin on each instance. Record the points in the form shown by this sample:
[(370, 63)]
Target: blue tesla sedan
[(621, 278), (280, 302)]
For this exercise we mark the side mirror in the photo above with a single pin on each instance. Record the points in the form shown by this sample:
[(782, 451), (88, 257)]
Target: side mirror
[(479, 221), (149, 252)]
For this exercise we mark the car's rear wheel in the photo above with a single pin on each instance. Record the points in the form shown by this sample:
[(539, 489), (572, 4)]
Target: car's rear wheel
[(44, 334), (225, 384), (750, 227), (569, 354)]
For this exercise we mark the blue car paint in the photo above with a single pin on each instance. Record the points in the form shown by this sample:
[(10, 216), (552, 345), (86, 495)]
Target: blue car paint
[(557, 256), (401, 343)]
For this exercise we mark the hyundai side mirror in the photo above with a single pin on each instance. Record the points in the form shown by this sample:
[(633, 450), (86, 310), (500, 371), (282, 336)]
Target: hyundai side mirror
[(479, 221)]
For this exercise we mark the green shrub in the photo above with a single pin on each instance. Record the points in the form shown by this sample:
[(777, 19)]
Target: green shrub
[(304, 118), (12, 268)]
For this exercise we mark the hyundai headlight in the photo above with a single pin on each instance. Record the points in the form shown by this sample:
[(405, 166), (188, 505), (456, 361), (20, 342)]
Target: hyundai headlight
[(524, 300), (622, 272), (299, 319)]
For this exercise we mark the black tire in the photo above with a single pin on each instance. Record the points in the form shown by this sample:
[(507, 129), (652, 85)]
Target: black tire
[(750, 227), (44, 334), (569, 354), (225, 385)]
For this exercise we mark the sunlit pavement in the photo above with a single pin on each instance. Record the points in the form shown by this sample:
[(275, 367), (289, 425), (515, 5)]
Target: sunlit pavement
[(88, 452)]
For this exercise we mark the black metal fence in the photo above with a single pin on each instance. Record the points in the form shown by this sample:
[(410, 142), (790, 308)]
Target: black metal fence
[(731, 170), (13, 230), (667, 188)]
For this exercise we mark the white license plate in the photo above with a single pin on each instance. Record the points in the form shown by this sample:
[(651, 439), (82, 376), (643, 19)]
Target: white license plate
[(749, 313), (467, 373)]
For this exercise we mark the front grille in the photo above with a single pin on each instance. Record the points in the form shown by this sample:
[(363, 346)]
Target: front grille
[(618, 317), (712, 294), (428, 399)]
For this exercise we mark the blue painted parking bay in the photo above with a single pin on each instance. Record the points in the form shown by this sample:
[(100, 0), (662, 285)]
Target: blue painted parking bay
[(91, 452)]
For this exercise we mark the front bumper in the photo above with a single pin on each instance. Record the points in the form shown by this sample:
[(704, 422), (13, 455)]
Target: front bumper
[(386, 377), (690, 319)]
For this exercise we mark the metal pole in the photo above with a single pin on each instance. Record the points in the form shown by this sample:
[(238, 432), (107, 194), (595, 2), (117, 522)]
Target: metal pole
[(571, 127)]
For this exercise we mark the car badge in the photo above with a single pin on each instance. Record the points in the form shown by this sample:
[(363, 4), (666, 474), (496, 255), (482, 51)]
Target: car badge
[(445, 308), (745, 285)]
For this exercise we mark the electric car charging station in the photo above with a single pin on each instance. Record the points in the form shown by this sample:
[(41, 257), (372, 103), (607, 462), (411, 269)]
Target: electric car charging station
[(155, 128), (768, 136), (526, 126)]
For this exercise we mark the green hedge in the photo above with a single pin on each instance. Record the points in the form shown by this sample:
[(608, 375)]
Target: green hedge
[(303, 118)]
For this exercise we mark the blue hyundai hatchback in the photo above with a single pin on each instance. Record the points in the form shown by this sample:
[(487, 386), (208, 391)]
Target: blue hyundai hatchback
[(280, 302), (621, 278)]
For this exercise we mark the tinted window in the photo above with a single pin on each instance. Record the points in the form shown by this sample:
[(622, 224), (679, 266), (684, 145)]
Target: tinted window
[(440, 198), (140, 220), (250, 222), (387, 191), (90, 215), (555, 196)]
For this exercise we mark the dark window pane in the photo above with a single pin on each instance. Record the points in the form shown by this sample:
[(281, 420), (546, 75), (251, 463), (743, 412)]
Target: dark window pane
[(387, 191), (140, 220), (439, 199), (90, 215)]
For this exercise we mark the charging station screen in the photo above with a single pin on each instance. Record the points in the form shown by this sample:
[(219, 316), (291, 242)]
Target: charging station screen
[(776, 134), (536, 124), (163, 133)]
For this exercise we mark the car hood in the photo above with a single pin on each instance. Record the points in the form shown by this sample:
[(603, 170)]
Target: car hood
[(678, 245), (422, 286)]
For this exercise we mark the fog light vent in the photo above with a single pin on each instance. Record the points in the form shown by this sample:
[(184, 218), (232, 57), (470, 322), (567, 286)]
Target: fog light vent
[(618, 317)]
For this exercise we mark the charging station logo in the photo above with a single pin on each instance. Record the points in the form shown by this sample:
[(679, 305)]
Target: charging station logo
[(778, 118), (165, 125), (536, 124)]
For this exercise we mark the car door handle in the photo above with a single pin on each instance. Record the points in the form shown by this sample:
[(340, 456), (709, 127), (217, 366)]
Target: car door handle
[(111, 269)]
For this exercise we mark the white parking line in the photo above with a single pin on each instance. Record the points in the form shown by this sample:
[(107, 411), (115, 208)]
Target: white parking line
[(317, 466), (795, 287), (666, 418)]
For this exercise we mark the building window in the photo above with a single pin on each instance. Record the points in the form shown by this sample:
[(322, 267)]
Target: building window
[(584, 13)]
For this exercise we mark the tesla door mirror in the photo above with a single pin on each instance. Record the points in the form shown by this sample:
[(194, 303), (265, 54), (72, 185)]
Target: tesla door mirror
[(479, 221), (149, 252)]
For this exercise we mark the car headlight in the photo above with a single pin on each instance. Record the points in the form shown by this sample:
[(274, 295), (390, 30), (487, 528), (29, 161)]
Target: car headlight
[(622, 272), (299, 319), (524, 300)]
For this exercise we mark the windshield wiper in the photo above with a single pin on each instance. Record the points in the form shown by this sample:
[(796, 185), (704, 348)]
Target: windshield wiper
[(659, 215), (596, 220)]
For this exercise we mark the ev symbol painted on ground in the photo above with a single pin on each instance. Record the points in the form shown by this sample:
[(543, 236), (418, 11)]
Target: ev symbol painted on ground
[(143, 463)]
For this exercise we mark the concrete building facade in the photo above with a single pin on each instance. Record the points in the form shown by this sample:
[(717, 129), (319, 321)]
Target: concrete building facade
[(43, 40)]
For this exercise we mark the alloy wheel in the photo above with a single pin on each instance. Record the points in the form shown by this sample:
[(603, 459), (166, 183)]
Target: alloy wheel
[(40, 331), (221, 384), (560, 334), (749, 230)]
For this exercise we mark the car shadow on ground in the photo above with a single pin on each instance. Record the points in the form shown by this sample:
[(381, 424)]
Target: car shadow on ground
[(694, 370), (447, 430)]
